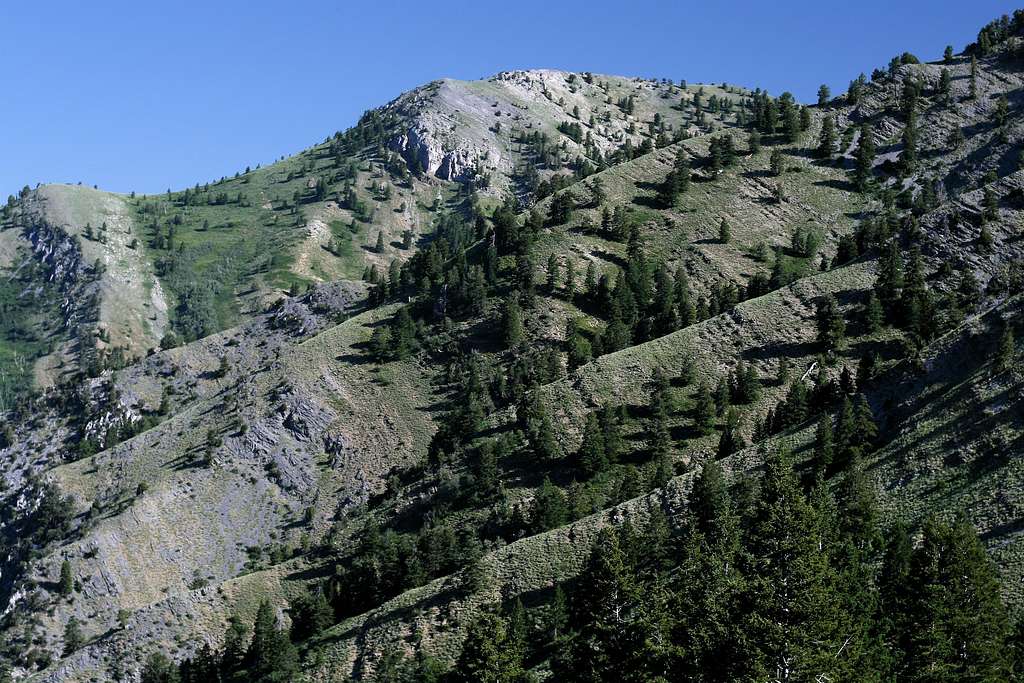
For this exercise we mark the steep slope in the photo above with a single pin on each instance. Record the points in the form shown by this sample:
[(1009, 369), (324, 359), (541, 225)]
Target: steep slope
[(398, 458)]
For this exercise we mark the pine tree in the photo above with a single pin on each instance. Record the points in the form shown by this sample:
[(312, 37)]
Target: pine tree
[(66, 583), (960, 627), (490, 653), (754, 141), (73, 638), (379, 248), (731, 439), (791, 618), (827, 138), (591, 454), (874, 315), (724, 231), (889, 283), (831, 324), (311, 614), (776, 163), (865, 157), (824, 95), (550, 510), (611, 427), (704, 410), (513, 332), (1006, 350), (159, 669), (604, 607), (947, 55), (271, 657), (552, 274), (824, 445), (908, 156)]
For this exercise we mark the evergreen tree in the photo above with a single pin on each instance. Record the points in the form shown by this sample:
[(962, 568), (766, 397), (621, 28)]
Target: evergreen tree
[(553, 274), (791, 613), (159, 669), (73, 637), (831, 324), (960, 627), (271, 657), (591, 454), (550, 510), (66, 583), (731, 439), (513, 332), (824, 95), (864, 157), (827, 138), (490, 653), (605, 609), (874, 316), (889, 283), (704, 410), (776, 163), (311, 614), (1006, 350), (379, 248), (724, 231), (824, 445)]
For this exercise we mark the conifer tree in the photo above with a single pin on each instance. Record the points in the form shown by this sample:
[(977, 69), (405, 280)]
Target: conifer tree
[(827, 138), (824, 445), (864, 157), (1007, 349), (73, 638), (959, 621), (889, 283), (513, 332), (591, 454), (603, 609), (159, 669), (724, 231), (271, 657), (874, 316), (792, 612), (831, 324), (824, 95), (731, 439), (66, 583), (704, 410), (552, 274), (490, 653)]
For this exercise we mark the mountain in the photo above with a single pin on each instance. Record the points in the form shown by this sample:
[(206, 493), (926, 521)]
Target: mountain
[(396, 392)]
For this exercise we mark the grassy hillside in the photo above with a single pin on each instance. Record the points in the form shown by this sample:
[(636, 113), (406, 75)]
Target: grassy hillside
[(398, 440)]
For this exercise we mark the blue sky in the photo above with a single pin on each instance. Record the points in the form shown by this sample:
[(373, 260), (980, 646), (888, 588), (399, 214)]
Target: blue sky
[(149, 96)]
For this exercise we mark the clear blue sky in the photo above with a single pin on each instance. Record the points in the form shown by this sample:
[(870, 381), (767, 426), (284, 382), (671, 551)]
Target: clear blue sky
[(149, 95)]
